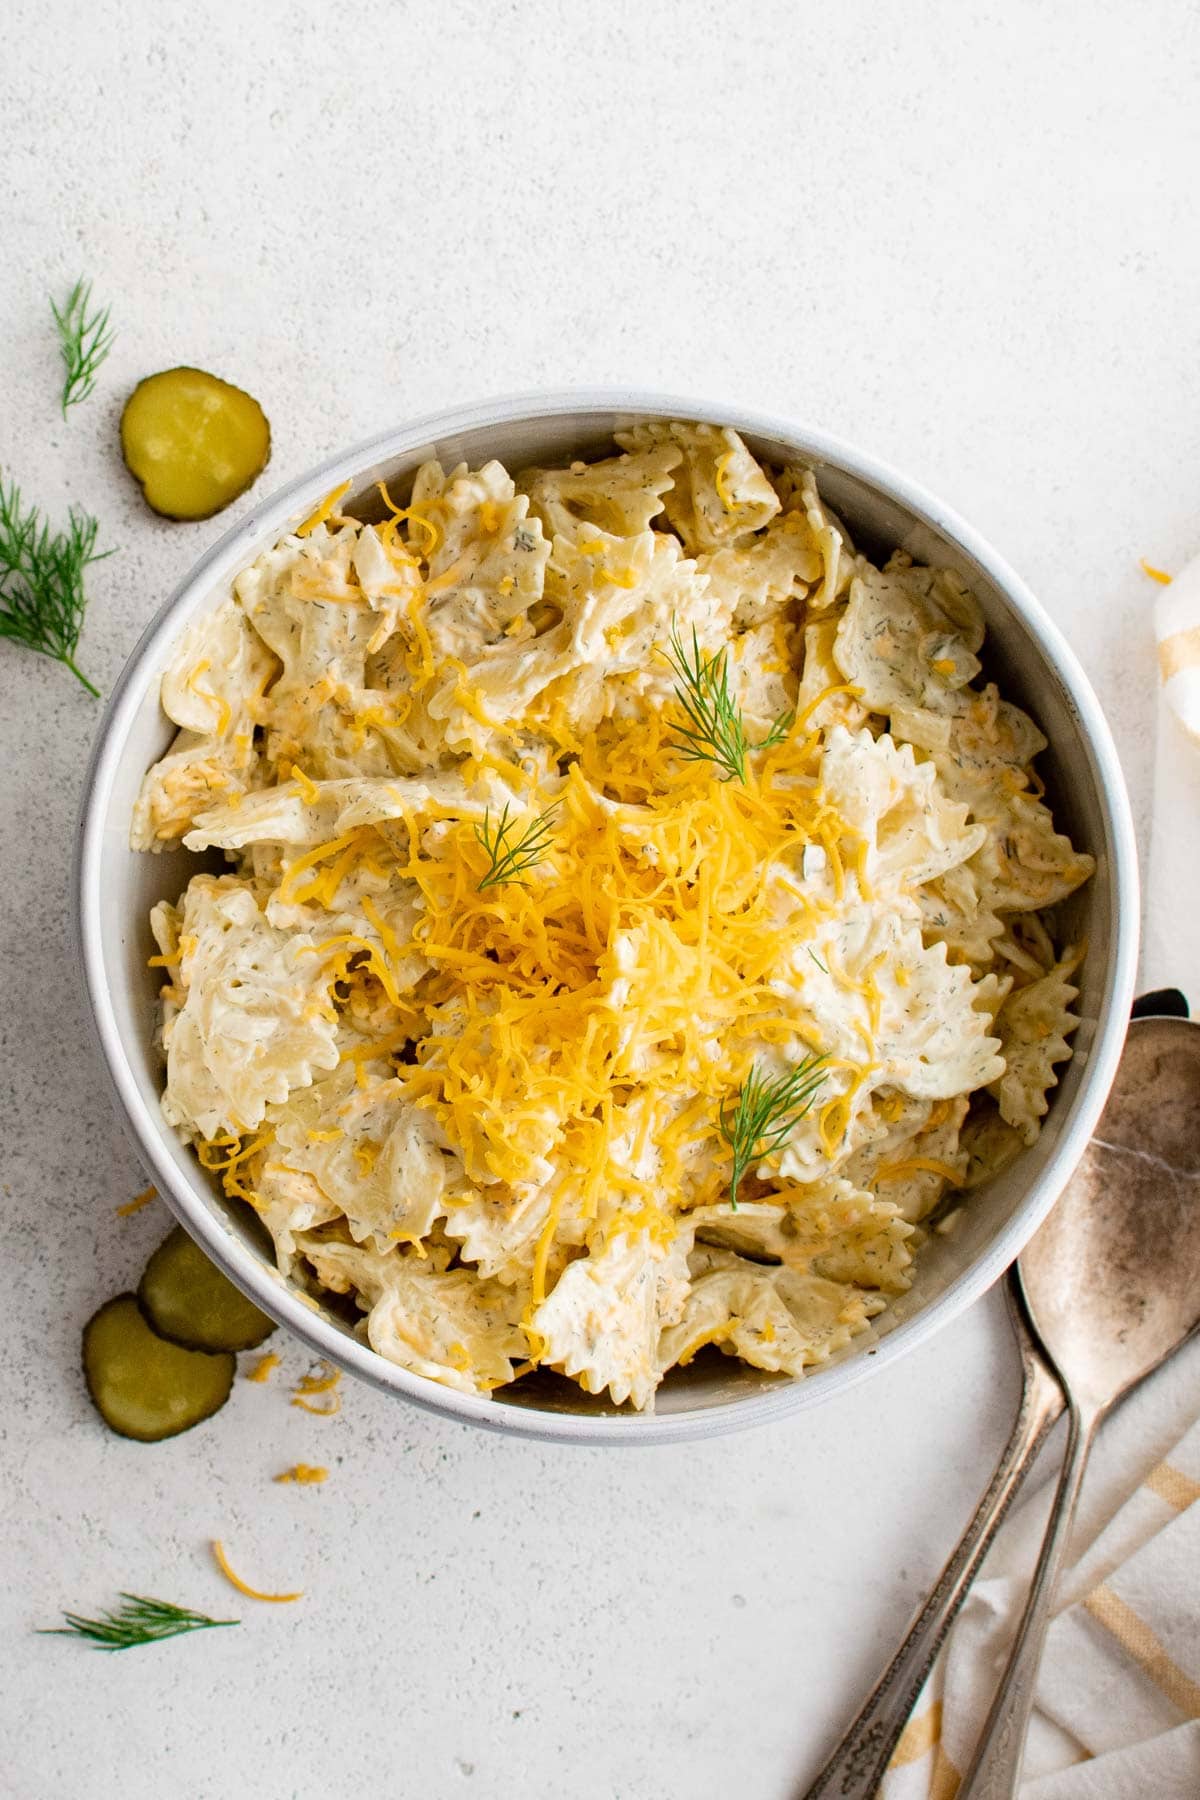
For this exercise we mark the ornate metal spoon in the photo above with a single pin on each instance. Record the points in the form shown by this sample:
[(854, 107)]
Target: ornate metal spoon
[(856, 1767), (1113, 1278)]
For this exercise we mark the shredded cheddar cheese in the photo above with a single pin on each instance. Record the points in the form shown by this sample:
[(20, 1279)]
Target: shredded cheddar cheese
[(235, 1580), (137, 1203), (721, 481), (304, 1474), (326, 508), (224, 713), (321, 1380), (307, 786), (919, 1165)]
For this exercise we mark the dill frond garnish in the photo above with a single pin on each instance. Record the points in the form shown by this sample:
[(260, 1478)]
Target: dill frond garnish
[(765, 1112), (42, 601), (136, 1621), (713, 729), (779, 729), (511, 854), (85, 339)]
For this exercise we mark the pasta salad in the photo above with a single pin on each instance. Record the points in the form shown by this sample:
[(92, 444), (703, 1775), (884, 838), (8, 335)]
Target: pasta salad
[(626, 918)]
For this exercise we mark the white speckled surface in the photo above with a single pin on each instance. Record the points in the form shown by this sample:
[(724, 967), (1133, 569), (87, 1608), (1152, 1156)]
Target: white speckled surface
[(962, 234)]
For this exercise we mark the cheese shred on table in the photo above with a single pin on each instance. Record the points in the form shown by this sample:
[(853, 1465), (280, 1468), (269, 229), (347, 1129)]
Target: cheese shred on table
[(562, 816), (235, 1580)]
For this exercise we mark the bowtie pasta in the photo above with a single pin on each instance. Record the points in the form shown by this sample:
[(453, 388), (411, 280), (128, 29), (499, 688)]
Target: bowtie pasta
[(633, 925)]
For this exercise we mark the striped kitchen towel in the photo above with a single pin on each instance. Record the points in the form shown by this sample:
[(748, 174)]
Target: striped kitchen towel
[(1118, 1698)]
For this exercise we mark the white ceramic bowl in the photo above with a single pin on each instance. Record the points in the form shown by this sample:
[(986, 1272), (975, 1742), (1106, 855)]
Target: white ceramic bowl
[(116, 888)]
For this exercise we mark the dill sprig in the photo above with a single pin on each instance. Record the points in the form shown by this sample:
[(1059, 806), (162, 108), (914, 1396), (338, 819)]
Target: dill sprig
[(713, 728), (137, 1621), (42, 601), (779, 729), (511, 855), (765, 1112), (85, 339)]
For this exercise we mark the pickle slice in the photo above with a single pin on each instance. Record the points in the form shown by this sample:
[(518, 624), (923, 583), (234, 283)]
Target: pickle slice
[(142, 1386), (186, 1299), (194, 442)]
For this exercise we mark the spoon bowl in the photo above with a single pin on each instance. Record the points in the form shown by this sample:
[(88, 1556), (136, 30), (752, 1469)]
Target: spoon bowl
[(1112, 1279)]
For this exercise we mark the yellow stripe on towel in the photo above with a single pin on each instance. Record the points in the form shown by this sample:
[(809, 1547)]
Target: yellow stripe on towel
[(1173, 1486), (918, 1737), (1140, 1644)]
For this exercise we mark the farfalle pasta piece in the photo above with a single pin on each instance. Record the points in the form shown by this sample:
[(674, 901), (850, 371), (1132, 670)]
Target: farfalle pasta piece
[(919, 1156), (762, 677), (486, 564), (305, 601), (954, 913), (602, 1322), (909, 639), (774, 1319), (290, 1205), (305, 813), (831, 1227), (210, 689), (444, 1324), (869, 1240), (756, 579), (195, 774), (220, 667), (989, 1143), (798, 493), (1024, 864), (1034, 1023), (719, 491), (877, 994), (498, 1228), (498, 1231), (374, 1154), (926, 1042), (990, 745), (254, 1022), (620, 495), (912, 832), (824, 697)]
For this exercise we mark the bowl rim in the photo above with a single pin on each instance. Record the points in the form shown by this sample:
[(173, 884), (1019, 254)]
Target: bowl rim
[(189, 1203)]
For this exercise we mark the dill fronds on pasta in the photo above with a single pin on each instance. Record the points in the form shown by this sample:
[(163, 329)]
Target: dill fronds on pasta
[(765, 1112), (509, 855), (712, 729)]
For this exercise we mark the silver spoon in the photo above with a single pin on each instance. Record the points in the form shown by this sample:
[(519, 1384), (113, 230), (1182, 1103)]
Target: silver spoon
[(1112, 1284), (1105, 1208), (856, 1767)]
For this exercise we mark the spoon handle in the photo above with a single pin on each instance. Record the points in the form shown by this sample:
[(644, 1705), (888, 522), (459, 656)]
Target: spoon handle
[(856, 1767), (996, 1767)]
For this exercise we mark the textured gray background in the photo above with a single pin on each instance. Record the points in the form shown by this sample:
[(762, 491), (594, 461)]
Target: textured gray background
[(962, 234)]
